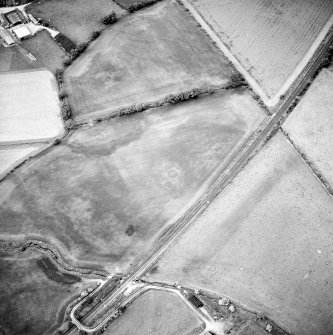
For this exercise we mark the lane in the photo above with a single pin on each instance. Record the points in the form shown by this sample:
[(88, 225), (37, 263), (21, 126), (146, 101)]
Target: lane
[(216, 186)]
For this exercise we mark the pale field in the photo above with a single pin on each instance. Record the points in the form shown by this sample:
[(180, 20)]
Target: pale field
[(114, 187), (311, 122), (142, 58), (10, 156), (29, 107), (266, 242), (158, 313), (268, 38)]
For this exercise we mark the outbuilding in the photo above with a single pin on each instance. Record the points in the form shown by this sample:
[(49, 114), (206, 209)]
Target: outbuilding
[(21, 32)]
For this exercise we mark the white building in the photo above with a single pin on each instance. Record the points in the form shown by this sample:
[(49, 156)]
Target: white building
[(21, 31)]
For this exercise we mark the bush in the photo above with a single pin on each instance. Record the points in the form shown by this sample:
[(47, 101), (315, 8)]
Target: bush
[(68, 62), (94, 35), (140, 4), (237, 79), (66, 111), (109, 19), (69, 124), (62, 94), (58, 74)]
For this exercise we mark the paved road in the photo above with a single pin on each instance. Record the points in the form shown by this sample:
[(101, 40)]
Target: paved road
[(214, 189)]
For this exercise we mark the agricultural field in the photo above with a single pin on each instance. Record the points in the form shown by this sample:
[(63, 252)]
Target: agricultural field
[(29, 107), (77, 19), (112, 188), (142, 58), (311, 122), (265, 241), (155, 312), (269, 39), (15, 59), (34, 295), (46, 50), (10, 156)]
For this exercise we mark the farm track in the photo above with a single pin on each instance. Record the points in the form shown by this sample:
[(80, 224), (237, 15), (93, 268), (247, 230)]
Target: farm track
[(216, 186)]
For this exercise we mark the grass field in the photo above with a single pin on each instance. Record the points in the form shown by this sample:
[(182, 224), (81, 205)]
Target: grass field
[(155, 312), (265, 242), (29, 107), (46, 50), (268, 38), (311, 122), (33, 294), (77, 19), (14, 59), (143, 58), (13, 155), (113, 187)]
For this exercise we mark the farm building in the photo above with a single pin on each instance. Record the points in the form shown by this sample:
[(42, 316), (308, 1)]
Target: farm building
[(3, 21), (21, 32), (7, 3), (15, 17), (195, 301), (6, 36), (65, 42)]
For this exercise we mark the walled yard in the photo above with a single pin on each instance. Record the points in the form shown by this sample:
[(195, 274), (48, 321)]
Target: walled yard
[(310, 125), (34, 295), (265, 242), (113, 187), (43, 47), (270, 39), (142, 58), (30, 108), (156, 312), (77, 19)]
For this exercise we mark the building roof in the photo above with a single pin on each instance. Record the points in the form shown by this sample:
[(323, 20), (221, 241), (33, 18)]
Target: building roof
[(7, 36), (14, 17), (21, 31)]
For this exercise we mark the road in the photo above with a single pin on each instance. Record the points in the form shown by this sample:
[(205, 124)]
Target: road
[(216, 186)]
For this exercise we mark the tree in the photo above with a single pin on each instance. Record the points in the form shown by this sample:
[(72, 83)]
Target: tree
[(109, 19)]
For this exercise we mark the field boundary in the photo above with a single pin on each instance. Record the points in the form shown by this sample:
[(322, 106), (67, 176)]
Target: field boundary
[(173, 98), (226, 52), (314, 170), (53, 254), (257, 88)]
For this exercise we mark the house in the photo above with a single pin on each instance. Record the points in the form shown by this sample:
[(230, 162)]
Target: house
[(21, 32)]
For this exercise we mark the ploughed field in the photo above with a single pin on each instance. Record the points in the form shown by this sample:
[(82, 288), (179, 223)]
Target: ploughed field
[(106, 192), (156, 312), (266, 242), (269, 38), (29, 107), (34, 295), (143, 58), (77, 19), (46, 50), (311, 122)]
